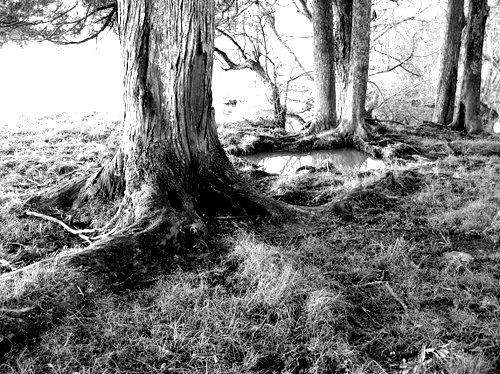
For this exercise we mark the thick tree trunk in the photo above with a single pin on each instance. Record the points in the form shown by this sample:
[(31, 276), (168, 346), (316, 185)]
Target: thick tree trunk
[(342, 33), (324, 66), (448, 71), (467, 115), (172, 153), (352, 124)]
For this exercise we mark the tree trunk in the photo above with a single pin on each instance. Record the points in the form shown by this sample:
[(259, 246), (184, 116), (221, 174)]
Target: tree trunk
[(324, 66), (353, 122), (448, 72), (279, 109), (467, 115), (342, 33)]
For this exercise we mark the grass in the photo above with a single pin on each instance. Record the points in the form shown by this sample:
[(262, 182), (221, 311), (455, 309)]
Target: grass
[(407, 283)]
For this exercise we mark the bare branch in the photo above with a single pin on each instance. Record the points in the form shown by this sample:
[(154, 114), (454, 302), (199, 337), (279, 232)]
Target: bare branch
[(302, 7)]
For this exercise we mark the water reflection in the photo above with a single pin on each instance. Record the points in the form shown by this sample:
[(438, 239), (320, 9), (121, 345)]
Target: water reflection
[(342, 160)]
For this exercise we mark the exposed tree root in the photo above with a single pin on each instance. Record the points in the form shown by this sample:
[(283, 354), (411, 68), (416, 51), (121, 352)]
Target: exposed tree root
[(107, 183), (327, 140)]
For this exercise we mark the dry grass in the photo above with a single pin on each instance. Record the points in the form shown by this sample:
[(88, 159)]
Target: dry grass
[(386, 290), (34, 155)]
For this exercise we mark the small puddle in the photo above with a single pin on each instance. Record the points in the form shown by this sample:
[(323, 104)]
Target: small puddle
[(343, 160)]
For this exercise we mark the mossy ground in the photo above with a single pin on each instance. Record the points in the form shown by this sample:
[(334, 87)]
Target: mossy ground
[(407, 282)]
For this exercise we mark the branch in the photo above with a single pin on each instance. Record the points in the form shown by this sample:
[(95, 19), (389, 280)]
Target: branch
[(246, 64), (108, 19), (235, 43), (400, 64), (494, 62), (272, 23), (302, 8)]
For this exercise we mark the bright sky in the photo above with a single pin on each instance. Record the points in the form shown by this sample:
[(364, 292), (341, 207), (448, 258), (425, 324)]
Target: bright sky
[(43, 78)]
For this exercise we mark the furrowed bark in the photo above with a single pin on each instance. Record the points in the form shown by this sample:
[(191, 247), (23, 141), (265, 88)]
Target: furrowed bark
[(448, 71), (342, 36), (324, 66), (467, 112), (353, 123)]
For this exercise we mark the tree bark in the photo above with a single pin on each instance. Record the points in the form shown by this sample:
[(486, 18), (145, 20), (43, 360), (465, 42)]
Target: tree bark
[(352, 124), (279, 109), (467, 112), (448, 71), (324, 66), (342, 35)]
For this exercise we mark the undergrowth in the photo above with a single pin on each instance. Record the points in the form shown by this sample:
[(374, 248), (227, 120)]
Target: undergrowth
[(405, 280)]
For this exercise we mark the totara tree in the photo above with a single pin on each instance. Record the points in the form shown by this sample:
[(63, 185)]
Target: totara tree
[(448, 71), (467, 111), (352, 63), (341, 16), (352, 124), (171, 168), (324, 67)]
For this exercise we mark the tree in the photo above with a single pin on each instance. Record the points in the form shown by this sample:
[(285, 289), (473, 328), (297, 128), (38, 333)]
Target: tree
[(169, 175), (55, 20), (467, 111), (247, 38), (341, 16), (171, 168), (324, 66), (353, 124), (354, 37), (448, 71), (258, 60)]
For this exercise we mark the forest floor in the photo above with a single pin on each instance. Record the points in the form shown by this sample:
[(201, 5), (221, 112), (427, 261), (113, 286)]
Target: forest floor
[(406, 280)]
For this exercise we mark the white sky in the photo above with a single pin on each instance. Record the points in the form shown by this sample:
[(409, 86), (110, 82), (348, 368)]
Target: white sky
[(43, 78)]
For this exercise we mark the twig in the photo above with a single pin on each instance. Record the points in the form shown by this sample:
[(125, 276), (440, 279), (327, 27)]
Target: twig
[(396, 297), (80, 233)]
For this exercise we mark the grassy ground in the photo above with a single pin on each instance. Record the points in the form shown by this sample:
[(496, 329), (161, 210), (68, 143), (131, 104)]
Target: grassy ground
[(406, 280)]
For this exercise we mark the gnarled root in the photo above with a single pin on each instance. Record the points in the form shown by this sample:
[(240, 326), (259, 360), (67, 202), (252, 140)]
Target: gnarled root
[(107, 183)]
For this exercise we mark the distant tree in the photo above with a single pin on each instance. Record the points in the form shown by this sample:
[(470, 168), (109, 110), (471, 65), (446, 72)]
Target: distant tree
[(448, 71), (467, 111), (247, 38), (247, 31)]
